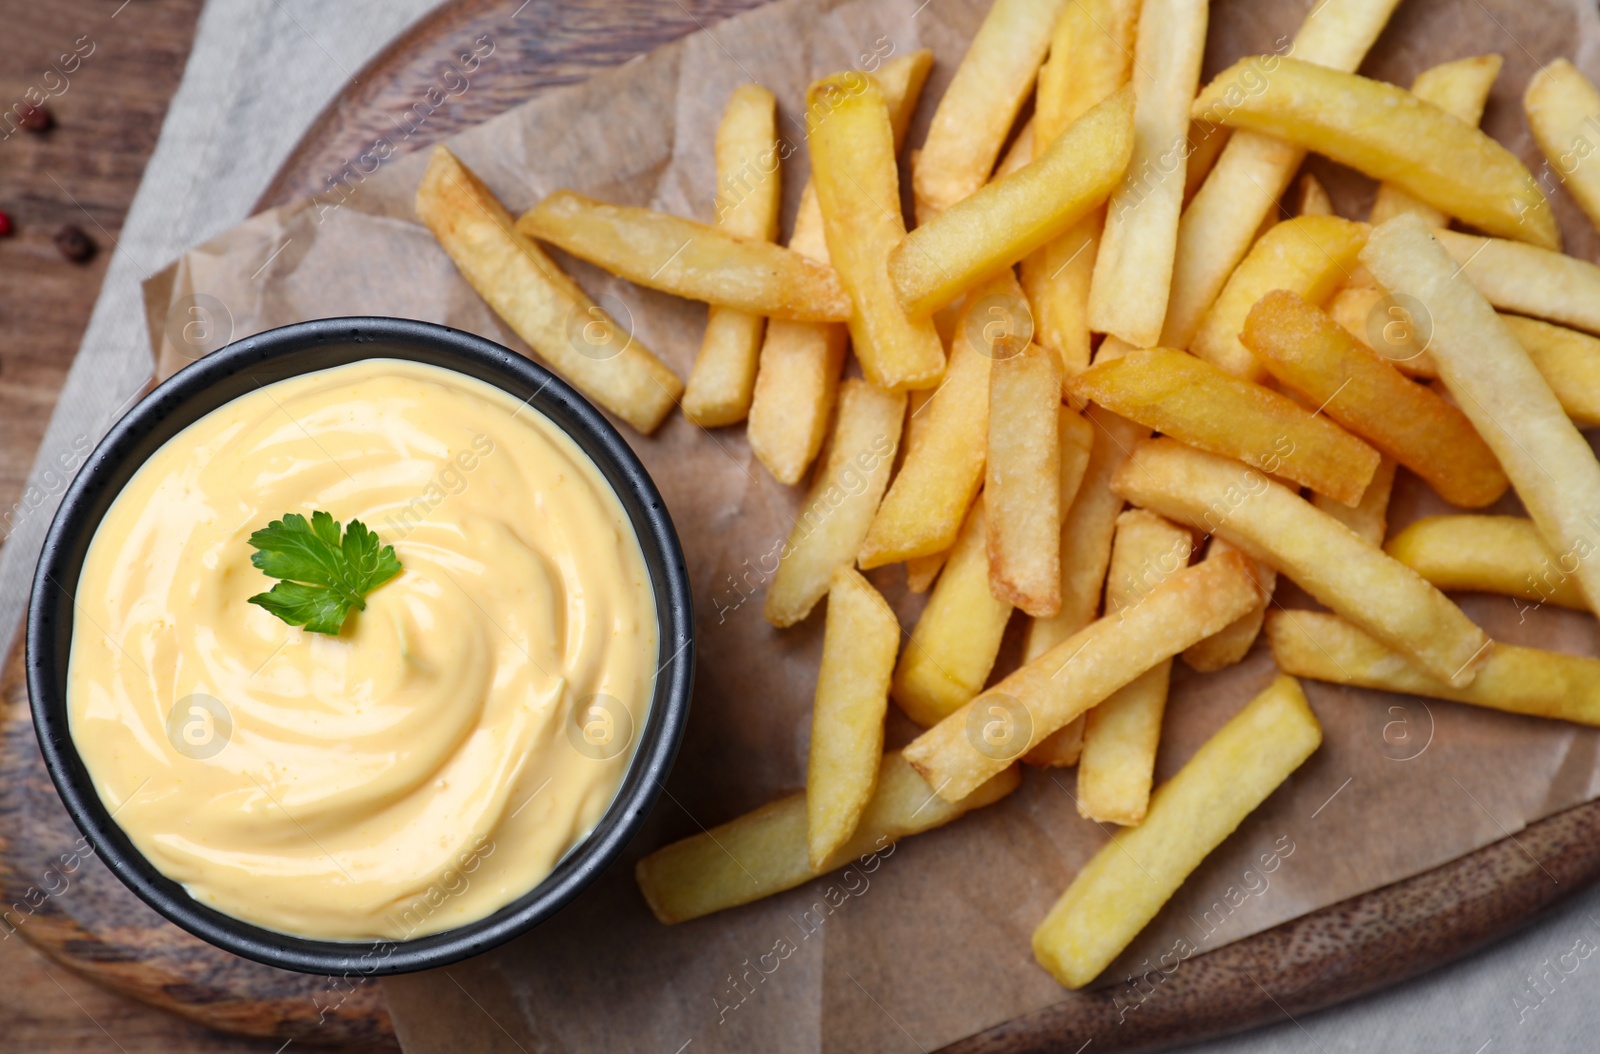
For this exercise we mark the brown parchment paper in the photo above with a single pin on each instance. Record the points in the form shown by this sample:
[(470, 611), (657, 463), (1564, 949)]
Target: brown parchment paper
[(928, 943)]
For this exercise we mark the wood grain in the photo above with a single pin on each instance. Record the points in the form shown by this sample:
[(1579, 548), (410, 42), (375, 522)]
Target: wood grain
[(108, 112)]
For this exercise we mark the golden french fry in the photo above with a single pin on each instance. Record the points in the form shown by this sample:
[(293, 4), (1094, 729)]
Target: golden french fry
[(1515, 679), (1093, 447), (749, 195), (1122, 887), (1370, 518), (1194, 401), (795, 387), (1272, 524), (1527, 279), (1563, 109), (859, 643), (1087, 461), (1006, 721), (1132, 272), (1005, 220), (1312, 198), (1253, 171), (1389, 134), (1501, 392), (1091, 56), (1311, 255), (1056, 279), (1487, 554), (1568, 360), (858, 187), (942, 471), (540, 303), (1018, 154), (922, 571), (1382, 323), (1232, 643), (976, 112), (764, 852), (842, 500), (687, 258), (1459, 88), (1120, 735), (1312, 354), (955, 641), (1206, 142), (1023, 477), (798, 375)]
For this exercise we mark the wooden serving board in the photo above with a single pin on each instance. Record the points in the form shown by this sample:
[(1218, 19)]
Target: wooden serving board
[(97, 927)]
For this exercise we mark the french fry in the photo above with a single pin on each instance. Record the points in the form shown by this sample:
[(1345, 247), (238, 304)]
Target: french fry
[(1272, 524), (1206, 142), (749, 195), (1310, 255), (798, 375), (540, 303), (984, 736), (1528, 280), (1120, 735), (764, 852), (858, 187), (1005, 220), (1087, 529), (1389, 134), (1232, 643), (1094, 450), (1487, 554), (1514, 679), (1563, 109), (1091, 56), (1459, 88), (1205, 407), (1568, 360), (955, 641), (1125, 884), (1018, 154), (1312, 354), (1311, 199), (687, 258), (1132, 272), (1370, 518), (1023, 478), (1253, 171), (1502, 393), (842, 500), (859, 643), (923, 571), (1056, 279), (796, 384), (976, 112), (930, 495), (1382, 323)]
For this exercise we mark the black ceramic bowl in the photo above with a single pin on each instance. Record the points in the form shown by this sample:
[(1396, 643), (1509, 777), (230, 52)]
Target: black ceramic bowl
[(234, 371)]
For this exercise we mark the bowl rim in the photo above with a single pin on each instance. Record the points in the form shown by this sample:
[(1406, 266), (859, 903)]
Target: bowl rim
[(194, 391)]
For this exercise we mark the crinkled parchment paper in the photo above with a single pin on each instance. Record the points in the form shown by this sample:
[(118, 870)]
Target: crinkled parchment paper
[(930, 944)]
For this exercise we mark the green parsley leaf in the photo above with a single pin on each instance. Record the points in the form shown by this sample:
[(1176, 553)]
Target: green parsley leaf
[(323, 576)]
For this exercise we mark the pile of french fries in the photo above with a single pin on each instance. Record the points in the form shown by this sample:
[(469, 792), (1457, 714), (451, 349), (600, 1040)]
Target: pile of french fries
[(1121, 377)]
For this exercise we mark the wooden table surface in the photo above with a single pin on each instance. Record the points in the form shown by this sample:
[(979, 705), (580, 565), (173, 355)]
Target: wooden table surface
[(84, 172)]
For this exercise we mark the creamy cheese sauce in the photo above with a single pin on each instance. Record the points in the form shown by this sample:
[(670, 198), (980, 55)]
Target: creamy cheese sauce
[(437, 758)]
